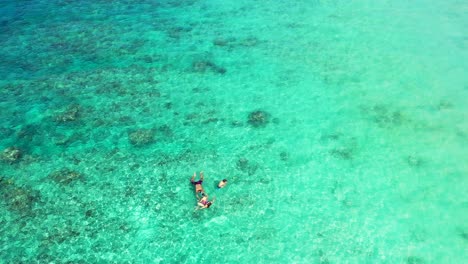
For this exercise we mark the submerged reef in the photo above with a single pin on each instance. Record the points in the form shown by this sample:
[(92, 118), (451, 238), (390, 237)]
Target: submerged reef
[(206, 65), (6, 132), (414, 260), (344, 153), (11, 155), (231, 42), (245, 165), (236, 123), (66, 140), (414, 161), (28, 132), (385, 117), (462, 233), (70, 114), (165, 131), (444, 105), (17, 198), (284, 156), (65, 176), (259, 118), (141, 137), (223, 42), (177, 32), (340, 146)]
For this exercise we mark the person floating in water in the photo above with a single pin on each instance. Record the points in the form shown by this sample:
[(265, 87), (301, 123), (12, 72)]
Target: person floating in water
[(198, 185), (222, 183), (203, 203)]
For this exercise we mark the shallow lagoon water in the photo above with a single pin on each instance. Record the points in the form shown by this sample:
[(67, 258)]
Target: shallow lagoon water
[(359, 156)]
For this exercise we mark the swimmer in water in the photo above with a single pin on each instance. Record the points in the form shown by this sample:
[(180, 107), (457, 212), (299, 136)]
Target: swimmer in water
[(198, 185), (203, 203), (222, 183)]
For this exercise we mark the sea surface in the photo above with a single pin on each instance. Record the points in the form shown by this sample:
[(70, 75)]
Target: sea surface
[(341, 127)]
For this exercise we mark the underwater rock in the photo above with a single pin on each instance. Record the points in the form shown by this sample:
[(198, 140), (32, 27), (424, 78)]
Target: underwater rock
[(386, 117), (443, 105), (127, 120), (141, 137), (65, 176), (464, 235), (284, 156), (342, 153), (177, 31), (259, 118), (205, 65), (211, 120), (166, 131), (89, 213), (244, 165), (233, 42), (236, 123), (28, 132), (11, 154), (221, 42), (414, 161), (65, 140), (460, 231), (414, 260), (331, 137), (18, 199), (6, 132), (249, 42), (70, 114)]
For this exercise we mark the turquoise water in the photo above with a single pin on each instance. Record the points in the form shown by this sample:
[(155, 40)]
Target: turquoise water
[(359, 154)]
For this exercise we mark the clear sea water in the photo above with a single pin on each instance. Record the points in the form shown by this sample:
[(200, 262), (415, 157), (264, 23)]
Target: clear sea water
[(360, 154)]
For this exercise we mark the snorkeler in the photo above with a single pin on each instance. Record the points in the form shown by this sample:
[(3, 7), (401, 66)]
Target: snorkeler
[(222, 183), (198, 185), (203, 203)]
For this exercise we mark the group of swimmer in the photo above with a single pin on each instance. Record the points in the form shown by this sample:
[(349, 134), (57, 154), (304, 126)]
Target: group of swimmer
[(202, 197)]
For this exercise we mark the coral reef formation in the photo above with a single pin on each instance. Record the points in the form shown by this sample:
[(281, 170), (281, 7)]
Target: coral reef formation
[(245, 165), (68, 115), (18, 199), (259, 118), (206, 65), (141, 137), (11, 154), (65, 176)]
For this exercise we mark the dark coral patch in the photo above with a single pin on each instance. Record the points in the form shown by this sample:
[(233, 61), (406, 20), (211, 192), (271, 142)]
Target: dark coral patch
[(17, 198), (463, 234), (414, 260), (259, 118), (6, 132), (414, 161), (141, 137), (166, 131), (65, 176), (206, 65), (11, 154), (222, 42), (236, 123), (245, 165), (89, 213), (284, 156), (342, 153), (386, 116), (68, 115)]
